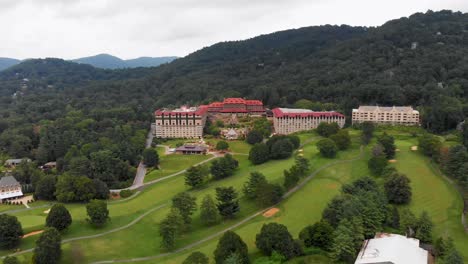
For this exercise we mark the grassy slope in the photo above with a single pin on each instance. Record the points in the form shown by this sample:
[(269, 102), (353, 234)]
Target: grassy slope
[(433, 193), (174, 163), (146, 230)]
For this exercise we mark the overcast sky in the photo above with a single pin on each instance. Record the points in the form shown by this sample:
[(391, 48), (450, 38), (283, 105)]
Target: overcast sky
[(132, 28)]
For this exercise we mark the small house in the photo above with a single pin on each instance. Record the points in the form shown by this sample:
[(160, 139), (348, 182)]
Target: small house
[(9, 188), (15, 162), (191, 149)]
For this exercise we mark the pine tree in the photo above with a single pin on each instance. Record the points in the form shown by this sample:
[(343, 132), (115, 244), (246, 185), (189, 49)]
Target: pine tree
[(170, 228), (209, 214), (251, 187), (228, 205), (186, 204)]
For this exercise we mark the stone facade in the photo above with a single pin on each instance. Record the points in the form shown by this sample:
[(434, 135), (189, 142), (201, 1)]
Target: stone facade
[(396, 115), (180, 123), (288, 120)]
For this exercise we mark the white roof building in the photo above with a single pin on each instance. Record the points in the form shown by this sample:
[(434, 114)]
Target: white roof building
[(9, 188), (392, 248)]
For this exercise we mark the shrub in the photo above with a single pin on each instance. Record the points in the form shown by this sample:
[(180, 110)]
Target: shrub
[(126, 193)]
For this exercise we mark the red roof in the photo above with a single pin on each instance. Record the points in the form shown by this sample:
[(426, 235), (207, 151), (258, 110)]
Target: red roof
[(277, 112), (253, 102), (216, 104), (234, 101)]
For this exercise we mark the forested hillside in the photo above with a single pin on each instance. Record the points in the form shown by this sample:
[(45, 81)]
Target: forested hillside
[(55, 110)]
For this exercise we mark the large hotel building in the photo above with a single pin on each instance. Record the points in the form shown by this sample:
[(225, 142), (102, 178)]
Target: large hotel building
[(396, 115), (180, 123), (289, 120), (188, 122)]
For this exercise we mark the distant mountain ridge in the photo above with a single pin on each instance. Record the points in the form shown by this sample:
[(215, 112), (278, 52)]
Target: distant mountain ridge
[(7, 63), (104, 61), (107, 61)]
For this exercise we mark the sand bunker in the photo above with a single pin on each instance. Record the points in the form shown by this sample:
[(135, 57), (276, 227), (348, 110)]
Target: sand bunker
[(414, 148), (392, 161), (47, 211), (397, 150), (33, 233), (271, 212)]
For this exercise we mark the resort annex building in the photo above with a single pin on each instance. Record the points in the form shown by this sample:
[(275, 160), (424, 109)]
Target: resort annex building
[(396, 115), (238, 106), (184, 122), (290, 120)]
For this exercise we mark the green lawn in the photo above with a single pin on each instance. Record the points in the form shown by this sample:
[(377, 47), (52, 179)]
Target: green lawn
[(434, 194), (302, 208), (173, 163), (236, 146)]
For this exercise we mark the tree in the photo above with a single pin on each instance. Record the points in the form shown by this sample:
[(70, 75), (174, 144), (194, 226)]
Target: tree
[(378, 150), (227, 205), (186, 204), (327, 148), (48, 247), (465, 133), (408, 222), (348, 238), (223, 167), (10, 260), (259, 153), (377, 165), (74, 189), (222, 145), (45, 188), (97, 211), (281, 149), (424, 230), (196, 258), (269, 194), (393, 217), (10, 231), (397, 189), (326, 129), (150, 157), (170, 228), (302, 165), (231, 243), (208, 211), (367, 132), (388, 143), (430, 145), (276, 237), (291, 178), (457, 156), (254, 137), (453, 257), (102, 191), (195, 176), (318, 235), (251, 187), (342, 139), (59, 217)]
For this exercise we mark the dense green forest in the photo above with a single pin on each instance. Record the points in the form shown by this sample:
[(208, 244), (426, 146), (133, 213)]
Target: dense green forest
[(53, 110)]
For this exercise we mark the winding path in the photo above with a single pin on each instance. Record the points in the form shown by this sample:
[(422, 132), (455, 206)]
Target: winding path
[(243, 221), (136, 220)]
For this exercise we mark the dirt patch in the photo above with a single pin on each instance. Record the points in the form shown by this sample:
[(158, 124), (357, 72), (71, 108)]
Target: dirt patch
[(332, 186), (33, 233), (392, 161), (271, 212), (115, 196), (414, 148), (397, 150)]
